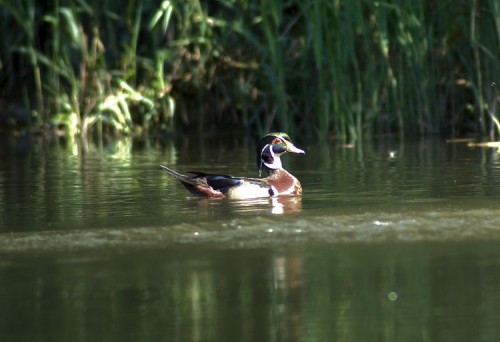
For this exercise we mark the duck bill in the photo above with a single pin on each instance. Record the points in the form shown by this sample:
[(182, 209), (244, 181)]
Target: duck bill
[(293, 149)]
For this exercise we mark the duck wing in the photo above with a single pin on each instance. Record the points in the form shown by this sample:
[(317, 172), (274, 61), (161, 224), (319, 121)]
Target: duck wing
[(211, 184), (216, 181)]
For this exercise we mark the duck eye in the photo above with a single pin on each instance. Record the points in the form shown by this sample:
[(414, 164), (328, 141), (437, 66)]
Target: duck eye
[(277, 141)]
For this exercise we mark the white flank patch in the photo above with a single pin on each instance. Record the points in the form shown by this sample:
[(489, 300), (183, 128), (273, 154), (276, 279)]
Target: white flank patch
[(247, 190)]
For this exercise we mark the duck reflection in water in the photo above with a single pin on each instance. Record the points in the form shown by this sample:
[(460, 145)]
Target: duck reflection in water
[(286, 204), (275, 205)]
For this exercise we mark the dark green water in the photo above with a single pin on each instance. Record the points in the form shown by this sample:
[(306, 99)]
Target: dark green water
[(390, 242)]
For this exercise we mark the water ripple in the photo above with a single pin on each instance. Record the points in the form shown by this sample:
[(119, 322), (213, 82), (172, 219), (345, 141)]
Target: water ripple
[(268, 232)]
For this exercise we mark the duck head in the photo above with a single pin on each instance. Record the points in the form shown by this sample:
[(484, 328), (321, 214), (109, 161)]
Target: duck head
[(270, 149)]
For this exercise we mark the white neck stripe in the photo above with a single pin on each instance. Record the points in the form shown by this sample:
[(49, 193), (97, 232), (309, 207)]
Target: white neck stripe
[(276, 164)]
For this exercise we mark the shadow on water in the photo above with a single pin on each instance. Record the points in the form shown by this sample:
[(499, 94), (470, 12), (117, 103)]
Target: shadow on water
[(389, 242)]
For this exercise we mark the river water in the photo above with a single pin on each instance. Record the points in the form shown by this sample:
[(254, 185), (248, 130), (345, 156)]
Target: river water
[(391, 241)]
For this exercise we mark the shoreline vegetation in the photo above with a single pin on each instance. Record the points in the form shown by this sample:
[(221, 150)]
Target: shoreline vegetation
[(333, 69)]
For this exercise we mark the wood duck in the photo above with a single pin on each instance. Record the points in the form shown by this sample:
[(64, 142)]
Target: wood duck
[(277, 183)]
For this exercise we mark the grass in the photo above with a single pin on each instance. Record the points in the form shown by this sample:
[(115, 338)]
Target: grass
[(333, 69)]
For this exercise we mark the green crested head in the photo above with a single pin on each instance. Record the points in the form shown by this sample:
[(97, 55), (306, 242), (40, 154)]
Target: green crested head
[(271, 147)]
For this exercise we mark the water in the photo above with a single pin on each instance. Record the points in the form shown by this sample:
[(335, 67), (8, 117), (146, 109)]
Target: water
[(390, 241)]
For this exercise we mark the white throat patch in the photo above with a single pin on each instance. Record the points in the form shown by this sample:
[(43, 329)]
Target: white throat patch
[(276, 160)]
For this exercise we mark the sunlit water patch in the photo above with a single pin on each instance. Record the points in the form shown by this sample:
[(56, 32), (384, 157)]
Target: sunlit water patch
[(266, 232)]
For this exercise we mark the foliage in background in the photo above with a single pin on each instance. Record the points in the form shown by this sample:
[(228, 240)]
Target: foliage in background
[(342, 68), (76, 66)]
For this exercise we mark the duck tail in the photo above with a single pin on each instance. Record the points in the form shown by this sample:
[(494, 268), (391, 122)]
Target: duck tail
[(176, 175), (195, 182)]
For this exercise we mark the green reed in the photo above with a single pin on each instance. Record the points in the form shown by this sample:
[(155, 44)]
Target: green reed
[(81, 84), (24, 14), (346, 69)]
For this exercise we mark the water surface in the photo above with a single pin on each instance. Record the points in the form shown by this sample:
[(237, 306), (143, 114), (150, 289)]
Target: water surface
[(390, 241)]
